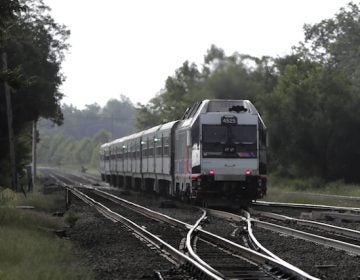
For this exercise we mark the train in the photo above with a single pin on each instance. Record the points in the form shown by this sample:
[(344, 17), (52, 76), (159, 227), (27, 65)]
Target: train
[(216, 152)]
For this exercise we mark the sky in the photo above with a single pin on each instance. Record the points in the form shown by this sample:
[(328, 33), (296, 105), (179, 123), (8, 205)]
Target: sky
[(130, 47)]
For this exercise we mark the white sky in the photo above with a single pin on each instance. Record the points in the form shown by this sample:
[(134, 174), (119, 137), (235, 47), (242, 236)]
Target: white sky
[(130, 47)]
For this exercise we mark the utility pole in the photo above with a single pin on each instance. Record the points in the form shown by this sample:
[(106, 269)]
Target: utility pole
[(10, 125), (33, 171)]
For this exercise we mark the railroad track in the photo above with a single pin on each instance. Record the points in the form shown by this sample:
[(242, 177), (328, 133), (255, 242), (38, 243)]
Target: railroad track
[(342, 234), (352, 236), (282, 206), (208, 247)]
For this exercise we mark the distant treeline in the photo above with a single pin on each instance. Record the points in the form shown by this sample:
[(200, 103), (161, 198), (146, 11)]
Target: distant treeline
[(117, 117), (77, 141)]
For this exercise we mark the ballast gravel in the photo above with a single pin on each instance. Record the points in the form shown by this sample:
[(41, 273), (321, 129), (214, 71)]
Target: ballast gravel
[(110, 250)]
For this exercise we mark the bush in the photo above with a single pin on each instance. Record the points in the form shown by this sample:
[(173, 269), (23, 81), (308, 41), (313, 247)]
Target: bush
[(7, 198), (71, 218)]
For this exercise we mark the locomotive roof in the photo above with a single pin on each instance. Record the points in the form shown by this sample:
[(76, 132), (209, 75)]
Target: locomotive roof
[(168, 125), (228, 105)]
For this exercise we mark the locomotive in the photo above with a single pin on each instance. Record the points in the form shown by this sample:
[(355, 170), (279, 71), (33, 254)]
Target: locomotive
[(216, 151)]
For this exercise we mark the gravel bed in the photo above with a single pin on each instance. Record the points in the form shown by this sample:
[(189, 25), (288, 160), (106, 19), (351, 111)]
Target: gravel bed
[(170, 234), (319, 261), (303, 214), (110, 250), (113, 253), (325, 263), (172, 208), (309, 229)]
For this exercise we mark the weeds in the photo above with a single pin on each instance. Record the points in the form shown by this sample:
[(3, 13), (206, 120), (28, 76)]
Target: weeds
[(71, 218), (28, 252), (311, 190)]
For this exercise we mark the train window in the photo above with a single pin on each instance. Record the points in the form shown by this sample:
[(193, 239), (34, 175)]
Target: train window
[(158, 151), (151, 143), (166, 151), (243, 134), (214, 133), (151, 152)]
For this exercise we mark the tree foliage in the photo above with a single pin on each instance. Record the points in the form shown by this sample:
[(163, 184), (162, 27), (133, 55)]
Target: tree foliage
[(232, 77), (63, 150), (117, 117), (78, 140), (309, 99), (35, 46)]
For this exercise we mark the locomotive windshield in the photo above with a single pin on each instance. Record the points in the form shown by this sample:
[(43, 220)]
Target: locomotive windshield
[(215, 133), (233, 141), (244, 134)]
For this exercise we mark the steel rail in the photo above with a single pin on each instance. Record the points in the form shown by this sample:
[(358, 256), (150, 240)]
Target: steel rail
[(350, 248), (180, 257), (350, 233), (238, 218), (253, 238), (307, 206), (232, 246), (340, 245), (252, 255), (189, 238)]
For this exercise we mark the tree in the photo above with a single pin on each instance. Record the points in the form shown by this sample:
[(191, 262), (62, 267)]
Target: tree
[(221, 77), (179, 93), (35, 46), (83, 151), (334, 42)]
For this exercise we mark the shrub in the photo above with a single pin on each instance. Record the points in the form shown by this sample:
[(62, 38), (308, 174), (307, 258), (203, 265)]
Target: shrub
[(71, 218)]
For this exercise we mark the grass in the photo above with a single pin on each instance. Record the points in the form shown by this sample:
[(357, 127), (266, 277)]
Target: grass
[(312, 191), (30, 254), (29, 249), (49, 203)]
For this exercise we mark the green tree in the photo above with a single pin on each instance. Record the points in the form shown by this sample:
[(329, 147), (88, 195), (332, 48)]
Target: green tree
[(222, 77), (334, 41), (179, 93), (83, 151), (35, 46), (101, 137)]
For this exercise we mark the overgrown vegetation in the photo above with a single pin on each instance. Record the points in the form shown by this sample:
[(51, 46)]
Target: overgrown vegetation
[(29, 248), (309, 99), (34, 45), (312, 190), (71, 218)]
